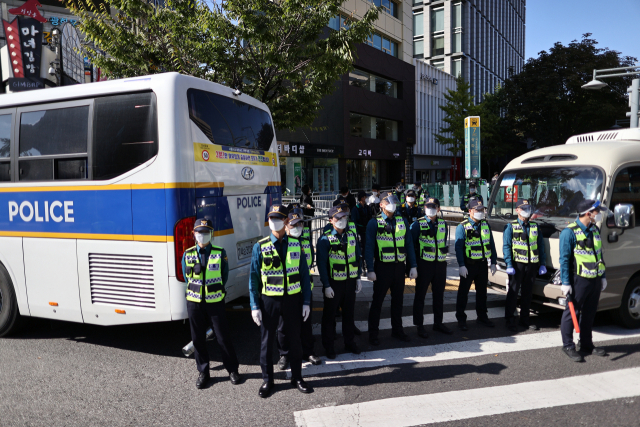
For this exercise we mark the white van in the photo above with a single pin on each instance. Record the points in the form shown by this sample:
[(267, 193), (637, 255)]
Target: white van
[(601, 165)]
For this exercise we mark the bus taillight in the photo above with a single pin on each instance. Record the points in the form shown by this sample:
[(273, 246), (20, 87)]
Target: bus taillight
[(183, 240)]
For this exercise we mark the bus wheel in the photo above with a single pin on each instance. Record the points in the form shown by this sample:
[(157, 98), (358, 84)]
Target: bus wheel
[(10, 318), (628, 315)]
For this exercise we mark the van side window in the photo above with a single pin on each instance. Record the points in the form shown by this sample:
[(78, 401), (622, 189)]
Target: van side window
[(125, 133), (5, 147), (53, 144), (626, 188)]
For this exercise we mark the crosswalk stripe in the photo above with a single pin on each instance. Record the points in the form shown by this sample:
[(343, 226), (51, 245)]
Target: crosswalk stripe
[(457, 350), (438, 407), (407, 321)]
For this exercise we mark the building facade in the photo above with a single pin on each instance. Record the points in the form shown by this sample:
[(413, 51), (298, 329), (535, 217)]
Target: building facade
[(483, 40)]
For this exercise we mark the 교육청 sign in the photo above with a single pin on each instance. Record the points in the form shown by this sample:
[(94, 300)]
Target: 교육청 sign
[(213, 153)]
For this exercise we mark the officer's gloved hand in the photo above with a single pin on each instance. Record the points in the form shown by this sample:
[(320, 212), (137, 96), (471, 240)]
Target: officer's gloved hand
[(463, 271), (604, 283), (257, 316), (306, 310), (413, 273), (511, 271), (493, 269), (328, 292), (358, 285), (371, 276), (566, 289), (543, 270)]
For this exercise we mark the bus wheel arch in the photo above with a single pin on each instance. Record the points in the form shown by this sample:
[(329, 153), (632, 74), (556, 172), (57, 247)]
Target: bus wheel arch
[(628, 314), (10, 319)]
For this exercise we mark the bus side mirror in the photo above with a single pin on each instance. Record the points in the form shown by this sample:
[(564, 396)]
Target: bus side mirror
[(624, 216)]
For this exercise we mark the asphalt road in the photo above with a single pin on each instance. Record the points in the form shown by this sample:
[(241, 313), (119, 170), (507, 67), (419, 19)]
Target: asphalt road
[(57, 373)]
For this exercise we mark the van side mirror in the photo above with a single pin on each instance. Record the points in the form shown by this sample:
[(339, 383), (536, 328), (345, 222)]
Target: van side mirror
[(624, 216)]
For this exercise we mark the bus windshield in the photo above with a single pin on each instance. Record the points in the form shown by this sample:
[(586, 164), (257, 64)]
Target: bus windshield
[(553, 192)]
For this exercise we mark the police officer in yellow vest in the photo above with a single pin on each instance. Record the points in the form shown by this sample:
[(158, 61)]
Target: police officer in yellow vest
[(582, 271), (391, 244), (279, 287), (474, 246), (430, 233), (339, 267), (206, 269), (524, 253), (295, 228)]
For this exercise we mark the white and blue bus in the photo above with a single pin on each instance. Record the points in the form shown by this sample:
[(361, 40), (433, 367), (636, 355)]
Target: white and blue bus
[(100, 185)]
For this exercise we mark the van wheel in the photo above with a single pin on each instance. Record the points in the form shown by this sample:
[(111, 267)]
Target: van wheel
[(10, 318), (628, 315)]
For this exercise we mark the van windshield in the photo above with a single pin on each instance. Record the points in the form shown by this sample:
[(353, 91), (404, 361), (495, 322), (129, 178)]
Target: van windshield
[(553, 192)]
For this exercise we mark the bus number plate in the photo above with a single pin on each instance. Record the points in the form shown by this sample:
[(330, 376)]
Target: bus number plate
[(245, 248)]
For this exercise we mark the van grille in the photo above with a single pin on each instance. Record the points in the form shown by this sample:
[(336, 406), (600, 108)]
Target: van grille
[(122, 280)]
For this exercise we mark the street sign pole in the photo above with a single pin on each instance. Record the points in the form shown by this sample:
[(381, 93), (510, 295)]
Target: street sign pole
[(472, 147)]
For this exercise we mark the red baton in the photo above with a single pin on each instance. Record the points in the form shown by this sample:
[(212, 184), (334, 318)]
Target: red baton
[(576, 326)]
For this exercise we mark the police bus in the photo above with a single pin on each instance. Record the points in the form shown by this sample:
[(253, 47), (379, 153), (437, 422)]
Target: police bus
[(100, 185)]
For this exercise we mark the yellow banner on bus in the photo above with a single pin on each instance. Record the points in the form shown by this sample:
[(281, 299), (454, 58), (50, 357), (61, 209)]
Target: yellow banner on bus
[(213, 153)]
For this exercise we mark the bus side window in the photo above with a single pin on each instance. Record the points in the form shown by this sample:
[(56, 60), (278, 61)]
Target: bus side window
[(626, 188), (5, 147)]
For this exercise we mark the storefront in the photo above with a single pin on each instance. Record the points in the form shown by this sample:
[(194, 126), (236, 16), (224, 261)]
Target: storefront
[(310, 164)]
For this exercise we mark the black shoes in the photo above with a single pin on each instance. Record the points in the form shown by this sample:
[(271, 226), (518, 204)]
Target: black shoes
[(463, 326), (374, 341), (401, 336), (235, 378), (283, 363), (313, 359), (265, 389), (203, 380), (511, 325), (573, 354), (302, 386), (598, 351), (331, 354), (422, 333), (357, 331), (486, 322), (441, 328), (352, 348)]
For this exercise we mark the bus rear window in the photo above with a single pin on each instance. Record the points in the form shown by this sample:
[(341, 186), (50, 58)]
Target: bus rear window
[(226, 121), (125, 133)]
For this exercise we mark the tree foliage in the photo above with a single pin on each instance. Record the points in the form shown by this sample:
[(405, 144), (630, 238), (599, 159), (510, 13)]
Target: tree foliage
[(279, 52)]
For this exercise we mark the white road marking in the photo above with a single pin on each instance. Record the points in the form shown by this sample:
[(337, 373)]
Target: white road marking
[(407, 321), (441, 407), (458, 350)]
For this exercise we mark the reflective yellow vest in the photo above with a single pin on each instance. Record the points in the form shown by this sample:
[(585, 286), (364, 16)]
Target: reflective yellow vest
[(390, 249), (525, 250), (273, 269), (587, 253), (195, 274), (477, 248), (342, 265), (432, 247)]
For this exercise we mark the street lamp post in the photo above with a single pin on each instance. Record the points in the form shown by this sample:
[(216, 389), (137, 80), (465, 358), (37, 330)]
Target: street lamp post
[(634, 90)]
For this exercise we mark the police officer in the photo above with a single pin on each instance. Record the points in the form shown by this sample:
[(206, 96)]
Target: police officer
[(424, 195), (306, 230), (361, 216), (340, 268), (345, 207), (524, 253), (410, 209), (430, 232), (464, 201), (474, 245), (374, 200), (206, 269), (582, 272), (399, 193), (279, 287), (389, 241), (295, 229)]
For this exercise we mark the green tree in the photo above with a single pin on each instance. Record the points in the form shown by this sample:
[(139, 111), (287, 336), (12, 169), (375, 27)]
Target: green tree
[(279, 52), (545, 102)]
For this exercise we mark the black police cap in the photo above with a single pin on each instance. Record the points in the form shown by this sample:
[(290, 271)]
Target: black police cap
[(203, 224), (338, 212), (278, 211)]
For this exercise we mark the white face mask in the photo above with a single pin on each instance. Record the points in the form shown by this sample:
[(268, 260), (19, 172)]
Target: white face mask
[(598, 217), (411, 199), (342, 223), (203, 238), (276, 224), (391, 207), (478, 215), (472, 190), (525, 214), (295, 231), (431, 211), (375, 193)]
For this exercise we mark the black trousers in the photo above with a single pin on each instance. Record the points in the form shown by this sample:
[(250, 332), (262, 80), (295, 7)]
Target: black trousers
[(432, 273), (289, 309), (585, 295), (344, 295), (201, 316), (306, 336), (389, 275), (523, 280), (478, 273)]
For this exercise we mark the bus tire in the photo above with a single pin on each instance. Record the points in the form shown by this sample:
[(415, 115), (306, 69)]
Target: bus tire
[(628, 315), (10, 319)]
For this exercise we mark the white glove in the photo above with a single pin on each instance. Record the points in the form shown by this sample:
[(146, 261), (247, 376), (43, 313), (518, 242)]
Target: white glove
[(305, 312), (493, 269), (566, 290), (328, 292), (604, 284), (413, 273), (463, 271), (358, 286), (257, 316), (371, 276)]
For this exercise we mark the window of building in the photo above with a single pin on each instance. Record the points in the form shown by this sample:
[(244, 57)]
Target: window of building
[(384, 44), (437, 32), (437, 45), (388, 6), (456, 67), (418, 24), (438, 64), (457, 15), (456, 40), (373, 127), (437, 20), (359, 78), (362, 174), (418, 48), (337, 22), (368, 81), (5, 147)]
